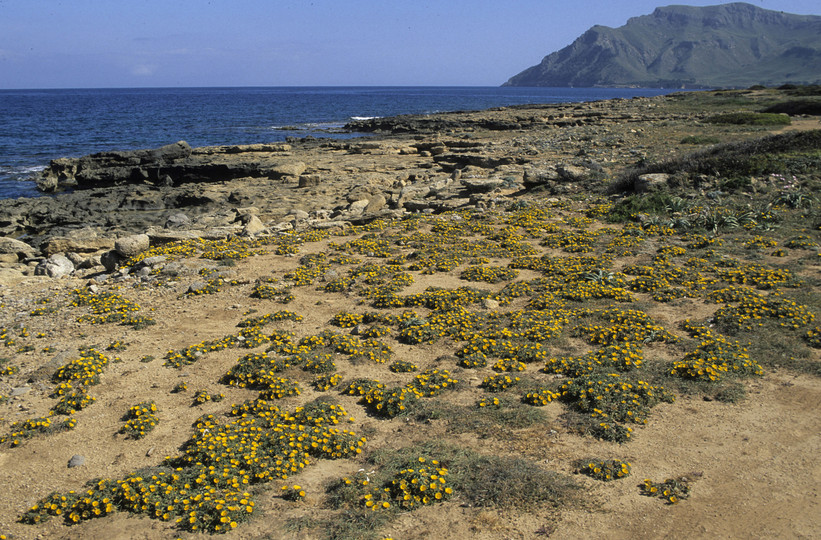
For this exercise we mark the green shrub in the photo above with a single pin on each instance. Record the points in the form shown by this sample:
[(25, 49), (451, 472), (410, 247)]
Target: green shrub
[(750, 119)]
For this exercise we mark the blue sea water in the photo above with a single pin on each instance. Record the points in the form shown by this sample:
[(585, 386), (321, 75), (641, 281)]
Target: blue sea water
[(37, 126)]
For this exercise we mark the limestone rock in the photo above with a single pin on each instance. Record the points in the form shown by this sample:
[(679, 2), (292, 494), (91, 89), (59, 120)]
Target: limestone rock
[(165, 236), (10, 276), (357, 207), (16, 247), (130, 246), (111, 260), (76, 461), (650, 182), (309, 180), (535, 176), (482, 185), (376, 203), (288, 168), (572, 173), (56, 266), (490, 303), (88, 244), (253, 225), (443, 184), (177, 220)]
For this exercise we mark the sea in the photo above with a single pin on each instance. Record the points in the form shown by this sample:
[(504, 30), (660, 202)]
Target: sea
[(37, 126)]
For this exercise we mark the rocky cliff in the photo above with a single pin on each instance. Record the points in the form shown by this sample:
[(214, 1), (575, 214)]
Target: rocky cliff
[(734, 44)]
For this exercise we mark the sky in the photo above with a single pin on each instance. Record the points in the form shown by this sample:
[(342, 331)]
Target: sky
[(185, 43)]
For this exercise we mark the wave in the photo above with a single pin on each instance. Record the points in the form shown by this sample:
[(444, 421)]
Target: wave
[(20, 171)]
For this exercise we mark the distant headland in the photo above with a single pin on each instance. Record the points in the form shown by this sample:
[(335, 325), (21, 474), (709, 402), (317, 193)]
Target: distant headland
[(729, 45)]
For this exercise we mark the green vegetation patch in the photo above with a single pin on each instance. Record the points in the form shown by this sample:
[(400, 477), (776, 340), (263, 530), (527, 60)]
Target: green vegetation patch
[(749, 119)]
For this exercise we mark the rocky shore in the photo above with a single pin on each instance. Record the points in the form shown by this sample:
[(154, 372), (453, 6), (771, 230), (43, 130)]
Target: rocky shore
[(408, 164), (537, 300)]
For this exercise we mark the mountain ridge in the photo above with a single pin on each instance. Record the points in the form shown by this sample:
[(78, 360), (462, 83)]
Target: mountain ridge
[(728, 45)]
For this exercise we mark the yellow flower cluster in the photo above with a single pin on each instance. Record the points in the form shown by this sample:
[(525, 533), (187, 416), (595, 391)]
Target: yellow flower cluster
[(262, 320), (389, 402), (409, 488), (347, 320), (323, 383), (499, 383), (53, 504), (540, 397), (489, 403), (757, 275), (293, 493), (671, 490), (753, 307), (489, 274), (202, 396), (24, 429), (612, 399), (432, 382), (403, 366), (624, 326), (204, 489), (109, 307), (621, 357), (606, 469), (249, 337), (140, 419), (508, 365), (714, 357), (360, 387), (73, 401), (280, 387), (813, 337), (760, 242), (83, 371)]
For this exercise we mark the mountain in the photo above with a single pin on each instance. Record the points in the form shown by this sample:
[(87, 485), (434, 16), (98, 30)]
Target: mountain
[(730, 45)]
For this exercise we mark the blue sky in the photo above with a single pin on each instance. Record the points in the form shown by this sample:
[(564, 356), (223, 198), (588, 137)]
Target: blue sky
[(139, 43)]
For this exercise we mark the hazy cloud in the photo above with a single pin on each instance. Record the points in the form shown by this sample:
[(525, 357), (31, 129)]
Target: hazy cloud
[(144, 70)]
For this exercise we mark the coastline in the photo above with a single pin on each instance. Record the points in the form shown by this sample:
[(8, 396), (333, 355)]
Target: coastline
[(320, 182), (43, 124)]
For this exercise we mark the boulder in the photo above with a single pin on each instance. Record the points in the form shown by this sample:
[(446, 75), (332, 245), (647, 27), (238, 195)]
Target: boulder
[(89, 244), (177, 220), (169, 152), (130, 246), (287, 168), (56, 266), (650, 182), (482, 185), (252, 225), (357, 207), (111, 260), (76, 460), (309, 180), (410, 193), (375, 204), (16, 247), (441, 185), (536, 176), (10, 276), (572, 173)]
